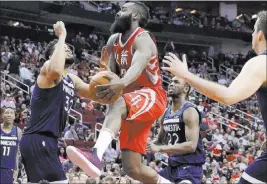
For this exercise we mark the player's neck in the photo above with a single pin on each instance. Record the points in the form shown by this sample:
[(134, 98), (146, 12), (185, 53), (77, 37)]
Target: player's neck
[(65, 72), (177, 103), (7, 126), (128, 33)]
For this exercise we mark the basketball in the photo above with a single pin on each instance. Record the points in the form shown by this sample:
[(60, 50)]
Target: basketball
[(99, 79)]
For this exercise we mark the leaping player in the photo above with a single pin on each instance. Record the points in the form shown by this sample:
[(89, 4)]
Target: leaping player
[(180, 126), (10, 136), (252, 79), (133, 50), (51, 101)]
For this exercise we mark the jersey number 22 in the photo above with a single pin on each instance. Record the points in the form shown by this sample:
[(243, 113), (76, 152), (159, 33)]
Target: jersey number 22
[(173, 138)]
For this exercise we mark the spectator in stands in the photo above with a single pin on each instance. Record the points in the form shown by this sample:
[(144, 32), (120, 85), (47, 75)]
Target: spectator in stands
[(6, 89), (8, 102), (110, 154), (90, 135), (62, 154), (13, 66), (5, 57), (71, 133), (108, 180), (25, 74), (67, 165), (91, 181)]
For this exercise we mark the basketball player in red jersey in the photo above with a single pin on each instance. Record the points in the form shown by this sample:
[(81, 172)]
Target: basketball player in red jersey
[(133, 55)]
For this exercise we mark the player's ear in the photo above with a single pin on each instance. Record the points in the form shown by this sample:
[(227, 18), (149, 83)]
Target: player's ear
[(136, 16), (260, 36), (186, 88)]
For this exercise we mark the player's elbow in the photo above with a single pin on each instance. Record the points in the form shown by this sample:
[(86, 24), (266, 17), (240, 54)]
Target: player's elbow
[(192, 147), (228, 97)]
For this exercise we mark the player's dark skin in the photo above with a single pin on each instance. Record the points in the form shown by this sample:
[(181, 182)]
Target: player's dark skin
[(8, 116), (144, 49), (178, 90)]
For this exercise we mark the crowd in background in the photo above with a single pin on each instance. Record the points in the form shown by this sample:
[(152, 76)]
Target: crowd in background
[(229, 148), (168, 13)]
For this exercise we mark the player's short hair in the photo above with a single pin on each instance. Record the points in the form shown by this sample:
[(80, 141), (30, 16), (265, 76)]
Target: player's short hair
[(50, 48), (143, 10), (3, 109), (262, 23)]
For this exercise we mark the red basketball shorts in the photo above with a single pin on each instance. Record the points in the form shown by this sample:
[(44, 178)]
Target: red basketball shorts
[(144, 107)]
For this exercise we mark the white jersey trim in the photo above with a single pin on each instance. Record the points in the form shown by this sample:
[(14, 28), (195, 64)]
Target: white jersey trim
[(250, 179), (149, 101), (8, 138), (122, 45)]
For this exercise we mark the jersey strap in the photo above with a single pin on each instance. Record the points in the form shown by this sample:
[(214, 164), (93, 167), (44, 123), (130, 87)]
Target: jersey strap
[(186, 106)]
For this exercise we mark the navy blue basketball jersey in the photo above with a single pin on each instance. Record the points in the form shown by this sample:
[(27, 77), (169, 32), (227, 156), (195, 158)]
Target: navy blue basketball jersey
[(262, 99), (50, 108), (175, 134), (9, 148)]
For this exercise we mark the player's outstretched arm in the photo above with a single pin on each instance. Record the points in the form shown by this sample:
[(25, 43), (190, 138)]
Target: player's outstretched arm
[(80, 87), (252, 76), (52, 70), (191, 120), (144, 48)]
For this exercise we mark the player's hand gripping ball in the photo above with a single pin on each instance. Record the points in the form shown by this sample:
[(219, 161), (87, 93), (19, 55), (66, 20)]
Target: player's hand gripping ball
[(102, 78)]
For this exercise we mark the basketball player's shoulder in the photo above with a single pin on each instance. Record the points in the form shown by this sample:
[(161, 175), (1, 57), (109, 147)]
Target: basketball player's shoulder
[(191, 114), (75, 79), (111, 42), (257, 64), (112, 39), (144, 40)]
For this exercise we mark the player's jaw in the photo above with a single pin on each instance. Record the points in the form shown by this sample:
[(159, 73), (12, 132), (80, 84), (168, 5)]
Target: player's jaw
[(121, 24), (174, 91), (69, 58), (8, 120)]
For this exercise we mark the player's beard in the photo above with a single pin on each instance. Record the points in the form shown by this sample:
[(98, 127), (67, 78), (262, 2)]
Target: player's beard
[(69, 61), (121, 25), (175, 94)]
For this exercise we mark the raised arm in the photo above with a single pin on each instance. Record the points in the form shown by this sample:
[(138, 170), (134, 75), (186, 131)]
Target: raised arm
[(80, 87), (252, 76), (191, 120), (52, 70), (144, 48), (110, 55)]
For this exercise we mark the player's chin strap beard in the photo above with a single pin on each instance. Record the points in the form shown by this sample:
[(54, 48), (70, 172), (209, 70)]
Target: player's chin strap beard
[(69, 61)]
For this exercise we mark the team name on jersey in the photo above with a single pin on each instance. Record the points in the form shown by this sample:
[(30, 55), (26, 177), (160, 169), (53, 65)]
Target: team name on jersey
[(171, 125), (172, 128), (68, 88), (8, 141)]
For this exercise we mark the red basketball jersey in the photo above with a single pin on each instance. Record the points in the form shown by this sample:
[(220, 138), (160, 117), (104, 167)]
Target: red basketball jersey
[(150, 77)]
